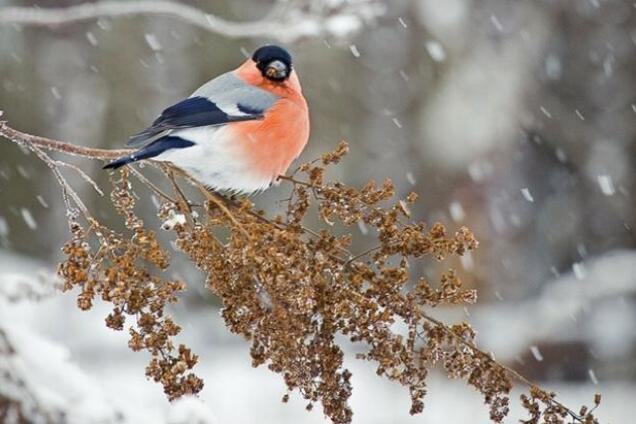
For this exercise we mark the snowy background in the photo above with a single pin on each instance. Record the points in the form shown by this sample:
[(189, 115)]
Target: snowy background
[(517, 119)]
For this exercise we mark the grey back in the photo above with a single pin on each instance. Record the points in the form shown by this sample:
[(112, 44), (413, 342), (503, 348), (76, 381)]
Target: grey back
[(227, 91)]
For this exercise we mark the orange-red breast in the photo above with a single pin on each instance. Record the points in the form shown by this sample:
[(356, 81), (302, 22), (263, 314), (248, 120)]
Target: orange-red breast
[(238, 132)]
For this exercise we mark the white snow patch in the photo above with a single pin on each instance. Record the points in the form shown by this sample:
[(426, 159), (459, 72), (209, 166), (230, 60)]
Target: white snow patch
[(479, 170), (28, 218), (579, 114), (545, 112), (56, 93), (569, 309), (496, 23), (341, 26), (363, 228), (536, 353), (608, 66), (190, 410), (592, 376), (410, 178), (606, 184), (354, 50), (553, 67), (456, 211), (4, 227), (173, 220), (91, 38), (436, 51), (153, 42), (527, 195), (467, 261), (579, 270), (561, 156), (41, 201)]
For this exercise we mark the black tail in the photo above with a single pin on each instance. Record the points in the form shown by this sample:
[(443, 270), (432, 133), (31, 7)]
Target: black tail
[(118, 163), (150, 151)]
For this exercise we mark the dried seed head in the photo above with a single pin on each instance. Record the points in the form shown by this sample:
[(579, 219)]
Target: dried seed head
[(290, 291)]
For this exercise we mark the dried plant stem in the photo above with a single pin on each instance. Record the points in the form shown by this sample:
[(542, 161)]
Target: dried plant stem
[(511, 372), (185, 204), (81, 172), (214, 198), (342, 265), (38, 145), (362, 255), (211, 196), (152, 186), (295, 181), (67, 190), (58, 146), (445, 328)]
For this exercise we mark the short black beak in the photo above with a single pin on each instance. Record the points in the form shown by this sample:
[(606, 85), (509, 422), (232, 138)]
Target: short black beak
[(276, 70)]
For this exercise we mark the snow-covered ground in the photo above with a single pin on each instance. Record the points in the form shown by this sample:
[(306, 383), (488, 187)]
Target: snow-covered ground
[(595, 304), (72, 362)]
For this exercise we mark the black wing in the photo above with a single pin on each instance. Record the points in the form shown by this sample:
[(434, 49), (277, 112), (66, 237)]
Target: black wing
[(191, 112)]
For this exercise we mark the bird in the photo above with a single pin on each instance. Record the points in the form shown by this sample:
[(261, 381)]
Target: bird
[(236, 133)]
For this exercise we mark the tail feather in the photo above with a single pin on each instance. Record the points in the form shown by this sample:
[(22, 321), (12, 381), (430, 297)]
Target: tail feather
[(150, 151), (146, 136), (118, 163)]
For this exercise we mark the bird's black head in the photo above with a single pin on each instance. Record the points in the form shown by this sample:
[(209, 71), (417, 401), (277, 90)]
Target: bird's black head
[(274, 62)]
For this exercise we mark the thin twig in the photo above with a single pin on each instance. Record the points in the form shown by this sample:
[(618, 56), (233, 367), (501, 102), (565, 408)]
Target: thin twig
[(16, 136), (221, 205), (511, 372), (151, 186), (363, 254), (295, 181), (68, 191), (83, 174), (183, 200), (213, 197)]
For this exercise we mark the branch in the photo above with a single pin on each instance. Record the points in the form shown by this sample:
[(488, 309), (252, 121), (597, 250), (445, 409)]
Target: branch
[(58, 146), (39, 144), (511, 372), (290, 24)]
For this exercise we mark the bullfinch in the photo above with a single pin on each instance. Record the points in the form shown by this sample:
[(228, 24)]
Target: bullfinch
[(238, 132)]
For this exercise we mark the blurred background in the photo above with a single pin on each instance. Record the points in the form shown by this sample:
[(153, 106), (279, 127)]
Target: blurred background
[(516, 119)]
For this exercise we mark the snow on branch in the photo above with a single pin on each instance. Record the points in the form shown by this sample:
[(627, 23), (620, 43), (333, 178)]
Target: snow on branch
[(287, 21)]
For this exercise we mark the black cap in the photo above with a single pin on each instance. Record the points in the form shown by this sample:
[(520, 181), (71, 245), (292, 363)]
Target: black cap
[(269, 53)]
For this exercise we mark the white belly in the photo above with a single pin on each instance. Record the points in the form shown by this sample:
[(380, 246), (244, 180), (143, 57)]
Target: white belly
[(214, 161)]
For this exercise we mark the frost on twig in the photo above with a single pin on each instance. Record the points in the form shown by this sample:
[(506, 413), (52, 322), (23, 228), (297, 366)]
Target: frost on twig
[(292, 290), (287, 21)]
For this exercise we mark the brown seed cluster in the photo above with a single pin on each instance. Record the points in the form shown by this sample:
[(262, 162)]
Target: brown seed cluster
[(118, 269), (291, 290), (542, 408), (288, 289)]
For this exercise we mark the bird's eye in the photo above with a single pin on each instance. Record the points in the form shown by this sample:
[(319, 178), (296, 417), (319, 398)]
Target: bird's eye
[(276, 70)]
